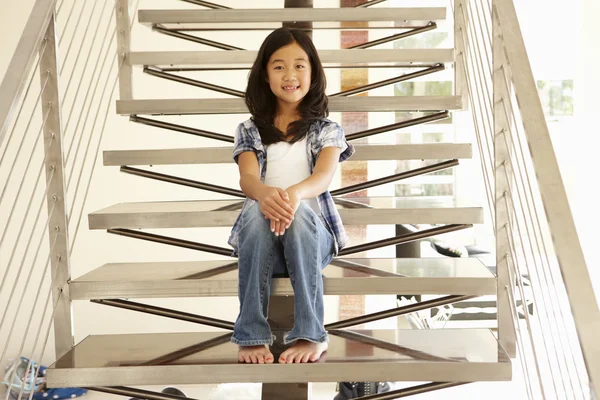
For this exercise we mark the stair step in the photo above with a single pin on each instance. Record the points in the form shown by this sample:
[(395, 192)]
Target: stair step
[(444, 355), (243, 58), (336, 104), (195, 18), (196, 214), (460, 276), (223, 155)]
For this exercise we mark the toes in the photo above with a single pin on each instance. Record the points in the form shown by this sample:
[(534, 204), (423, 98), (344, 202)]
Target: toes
[(306, 357), (254, 359), (261, 359), (247, 359), (269, 359), (240, 358)]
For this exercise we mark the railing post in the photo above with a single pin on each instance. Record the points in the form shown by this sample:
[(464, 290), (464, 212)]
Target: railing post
[(54, 164), (123, 46), (506, 324)]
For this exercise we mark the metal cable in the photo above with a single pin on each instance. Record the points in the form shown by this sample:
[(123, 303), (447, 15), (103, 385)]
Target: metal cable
[(512, 246), (60, 293), (89, 23), (487, 57), (33, 75), (72, 38), (104, 40), (43, 200), (59, 7), (89, 143), (519, 335), (81, 114), (475, 121), (477, 61), (486, 22), (485, 40), (523, 357), (97, 149), (486, 127), (545, 294), (485, 96), (531, 202), (31, 358), (478, 136), (23, 140), (19, 193), (480, 97), (86, 120), (532, 343), (12, 327), (95, 162), (64, 30), (43, 314), (89, 108)]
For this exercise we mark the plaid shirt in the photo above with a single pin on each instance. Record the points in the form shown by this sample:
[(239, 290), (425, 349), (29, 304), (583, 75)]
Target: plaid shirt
[(322, 134)]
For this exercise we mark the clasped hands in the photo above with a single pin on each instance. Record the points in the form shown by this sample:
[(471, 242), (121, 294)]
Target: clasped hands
[(279, 206)]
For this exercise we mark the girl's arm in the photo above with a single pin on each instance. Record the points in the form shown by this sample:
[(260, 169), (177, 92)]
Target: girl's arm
[(320, 179), (273, 202)]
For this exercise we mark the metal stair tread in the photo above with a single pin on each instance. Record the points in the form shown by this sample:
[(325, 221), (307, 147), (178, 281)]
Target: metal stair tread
[(421, 355), (336, 104), (223, 154), (454, 276), (179, 18), (245, 58), (207, 213)]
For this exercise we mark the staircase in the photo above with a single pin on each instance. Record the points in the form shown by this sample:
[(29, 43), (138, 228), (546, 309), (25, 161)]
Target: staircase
[(441, 358)]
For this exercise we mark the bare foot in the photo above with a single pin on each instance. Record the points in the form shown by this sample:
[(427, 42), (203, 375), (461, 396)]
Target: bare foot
[(303, 351), (255, 355)]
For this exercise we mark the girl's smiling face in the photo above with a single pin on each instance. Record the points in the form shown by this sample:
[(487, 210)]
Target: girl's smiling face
[(289, 73)]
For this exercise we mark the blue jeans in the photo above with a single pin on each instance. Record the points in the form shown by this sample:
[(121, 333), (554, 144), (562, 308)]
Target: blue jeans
[(305, 249)]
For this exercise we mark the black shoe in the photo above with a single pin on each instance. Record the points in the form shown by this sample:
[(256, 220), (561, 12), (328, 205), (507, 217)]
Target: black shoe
[(173, 391)]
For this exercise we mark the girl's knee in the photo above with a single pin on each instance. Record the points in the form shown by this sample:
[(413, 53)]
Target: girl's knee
[(304, 221)]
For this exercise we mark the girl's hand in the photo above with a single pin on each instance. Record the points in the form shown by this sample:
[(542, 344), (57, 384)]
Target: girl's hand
[(293, 201), (278, 227), (273, 203)]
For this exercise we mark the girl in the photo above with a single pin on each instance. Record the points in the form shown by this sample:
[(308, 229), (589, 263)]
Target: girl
[(288, 221)]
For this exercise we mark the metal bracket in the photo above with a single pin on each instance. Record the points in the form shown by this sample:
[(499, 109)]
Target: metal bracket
[(397, 311), (181, 128), (400, 239), (207, 4), (193, 82), (401, 78), (238, 193), (412, 32), (195, 39)]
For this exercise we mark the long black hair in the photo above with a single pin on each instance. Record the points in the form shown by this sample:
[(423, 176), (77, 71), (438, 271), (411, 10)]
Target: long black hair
[(261, 101)]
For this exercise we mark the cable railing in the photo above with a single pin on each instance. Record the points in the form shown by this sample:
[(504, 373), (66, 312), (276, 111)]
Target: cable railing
[(49, 78), (539, 259)]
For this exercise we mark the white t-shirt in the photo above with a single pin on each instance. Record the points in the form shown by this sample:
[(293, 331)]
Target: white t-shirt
[(287, 165)]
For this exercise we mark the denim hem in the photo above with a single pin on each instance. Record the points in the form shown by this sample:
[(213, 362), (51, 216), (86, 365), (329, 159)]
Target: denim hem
[(254, 342), (287, 340)]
